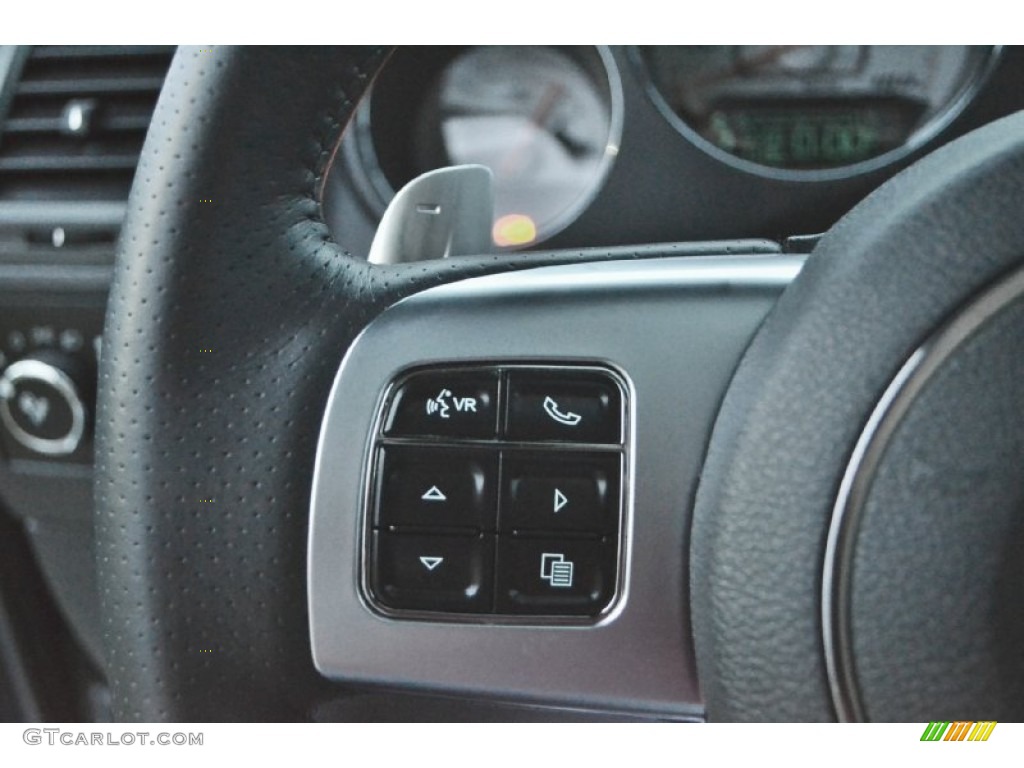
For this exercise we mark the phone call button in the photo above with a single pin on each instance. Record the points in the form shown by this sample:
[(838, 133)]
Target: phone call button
[(564, 406)]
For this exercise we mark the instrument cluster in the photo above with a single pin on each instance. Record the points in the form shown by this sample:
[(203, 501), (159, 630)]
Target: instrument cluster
[(600, 146)]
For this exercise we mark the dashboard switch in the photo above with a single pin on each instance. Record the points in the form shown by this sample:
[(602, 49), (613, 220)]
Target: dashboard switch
[(564, 406), (554, 577), (434, 573), (560, 492), (445, 404), (427, 487), (41, 403)]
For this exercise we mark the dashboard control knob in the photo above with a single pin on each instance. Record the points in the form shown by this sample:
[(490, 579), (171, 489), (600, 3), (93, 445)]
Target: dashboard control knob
[(43, 402)]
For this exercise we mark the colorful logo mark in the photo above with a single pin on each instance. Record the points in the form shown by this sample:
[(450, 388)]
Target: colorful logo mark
[(959, 731)]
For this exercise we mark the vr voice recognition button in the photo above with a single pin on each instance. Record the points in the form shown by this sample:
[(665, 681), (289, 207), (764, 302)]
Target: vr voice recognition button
[(445, 404)]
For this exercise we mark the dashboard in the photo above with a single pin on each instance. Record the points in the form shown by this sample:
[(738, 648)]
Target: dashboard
[(603, 146), (588, 147)]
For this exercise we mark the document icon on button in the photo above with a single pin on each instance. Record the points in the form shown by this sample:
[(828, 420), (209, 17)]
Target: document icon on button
[(556, 570)]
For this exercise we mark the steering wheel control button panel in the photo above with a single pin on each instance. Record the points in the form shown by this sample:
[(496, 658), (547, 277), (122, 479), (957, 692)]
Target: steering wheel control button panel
[(433, 573), (459, 473), (566, 406), (445, 404), (554, 575), (436, 488)]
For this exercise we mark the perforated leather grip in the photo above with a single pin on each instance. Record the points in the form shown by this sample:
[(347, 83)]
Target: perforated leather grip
[(230, 310)]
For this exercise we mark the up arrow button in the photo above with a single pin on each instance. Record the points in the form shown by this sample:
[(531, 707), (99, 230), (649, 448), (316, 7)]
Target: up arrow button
[(434, 494)]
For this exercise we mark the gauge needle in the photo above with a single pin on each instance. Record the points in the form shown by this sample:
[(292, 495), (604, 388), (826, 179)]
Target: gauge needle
[(541, 117), (546, 105), (574, 147), (514, 160)]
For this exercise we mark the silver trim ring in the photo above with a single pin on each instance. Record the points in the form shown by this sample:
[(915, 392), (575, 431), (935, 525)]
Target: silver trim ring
[(37, 370), (899, 396)]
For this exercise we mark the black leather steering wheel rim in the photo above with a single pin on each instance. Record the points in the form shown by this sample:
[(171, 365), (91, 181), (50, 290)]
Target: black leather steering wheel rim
[(226, 293), (230, 309), (879, 284)]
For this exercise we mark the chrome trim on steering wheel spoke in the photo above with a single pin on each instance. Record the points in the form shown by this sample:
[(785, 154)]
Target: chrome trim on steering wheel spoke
[(675, 329)]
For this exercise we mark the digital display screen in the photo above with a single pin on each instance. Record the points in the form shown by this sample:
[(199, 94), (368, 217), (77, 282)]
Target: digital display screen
[(810, 108), (811, 136)]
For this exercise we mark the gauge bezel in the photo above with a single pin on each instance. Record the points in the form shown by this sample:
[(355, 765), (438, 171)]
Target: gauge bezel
[(918, 139), (375, 190)]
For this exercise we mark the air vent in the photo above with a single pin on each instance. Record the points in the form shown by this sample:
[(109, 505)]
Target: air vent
[(77, 120)]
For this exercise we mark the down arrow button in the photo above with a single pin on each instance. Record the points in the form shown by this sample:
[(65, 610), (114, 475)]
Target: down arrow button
[(433, 573)]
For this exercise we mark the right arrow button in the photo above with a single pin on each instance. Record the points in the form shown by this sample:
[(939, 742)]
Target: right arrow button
[(561, 492), (560, 500)]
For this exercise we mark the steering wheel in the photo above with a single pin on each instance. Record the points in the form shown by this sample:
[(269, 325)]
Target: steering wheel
[(854, 548)]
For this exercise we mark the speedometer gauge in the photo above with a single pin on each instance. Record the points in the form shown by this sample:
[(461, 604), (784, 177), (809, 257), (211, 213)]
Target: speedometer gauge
[(537, 119), (546, 120), (814, 109)]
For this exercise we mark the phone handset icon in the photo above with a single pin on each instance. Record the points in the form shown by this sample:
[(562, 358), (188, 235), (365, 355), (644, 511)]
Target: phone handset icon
[(568, 418)]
